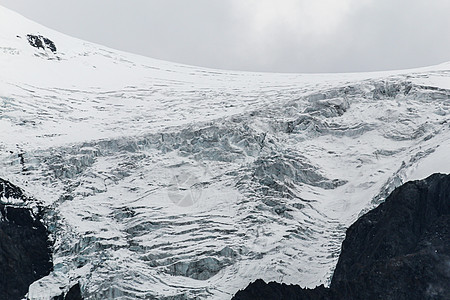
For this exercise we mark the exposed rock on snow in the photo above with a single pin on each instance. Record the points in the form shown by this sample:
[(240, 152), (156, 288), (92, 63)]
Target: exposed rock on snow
[(40, 42)]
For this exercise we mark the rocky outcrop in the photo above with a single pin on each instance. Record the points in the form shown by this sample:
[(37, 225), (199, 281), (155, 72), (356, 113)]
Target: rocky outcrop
[(40, 42), (74, 293), (399, 250), (25, 250), (280, 291)]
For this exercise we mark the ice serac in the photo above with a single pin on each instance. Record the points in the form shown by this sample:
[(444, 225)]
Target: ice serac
[(399, 250), (169, 181)]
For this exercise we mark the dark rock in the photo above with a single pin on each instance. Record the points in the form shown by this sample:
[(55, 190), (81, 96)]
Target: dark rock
[(25, 250), (38, 41), (74, 293), (259, 290), (8, 190), (49, 43), (35, 41), (399, 250), (396, 250)]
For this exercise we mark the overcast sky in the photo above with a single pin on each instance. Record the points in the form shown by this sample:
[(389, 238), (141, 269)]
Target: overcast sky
[(260, 35)]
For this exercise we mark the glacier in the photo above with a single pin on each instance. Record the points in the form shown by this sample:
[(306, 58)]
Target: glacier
[(169, 181)]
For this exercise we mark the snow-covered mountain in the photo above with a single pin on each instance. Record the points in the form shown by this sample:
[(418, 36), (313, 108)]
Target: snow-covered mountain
[(168, 181)]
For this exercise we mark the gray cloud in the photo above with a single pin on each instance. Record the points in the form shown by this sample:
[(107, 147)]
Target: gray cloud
[(260, 35)]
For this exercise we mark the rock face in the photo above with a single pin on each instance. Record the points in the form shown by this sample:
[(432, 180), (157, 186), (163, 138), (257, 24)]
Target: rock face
[(38, 41), (25, 250), (74, 293), (273, 290), (400, 250)]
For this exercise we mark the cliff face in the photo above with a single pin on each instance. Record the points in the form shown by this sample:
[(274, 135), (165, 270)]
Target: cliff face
[(399, 250), (25, 250)]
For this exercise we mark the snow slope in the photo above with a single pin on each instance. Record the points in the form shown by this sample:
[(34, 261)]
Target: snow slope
[(166, 180)]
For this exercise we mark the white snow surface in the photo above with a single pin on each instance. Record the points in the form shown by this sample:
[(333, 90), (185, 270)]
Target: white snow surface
[(168, 181)]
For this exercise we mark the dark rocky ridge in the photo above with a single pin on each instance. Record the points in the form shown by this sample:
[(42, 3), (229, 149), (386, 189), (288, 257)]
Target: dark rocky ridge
[(25, 248), (399, 250), (74, 293), (39, 41)]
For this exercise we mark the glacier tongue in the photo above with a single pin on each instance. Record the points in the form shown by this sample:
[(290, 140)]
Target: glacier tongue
[(175, 182)]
